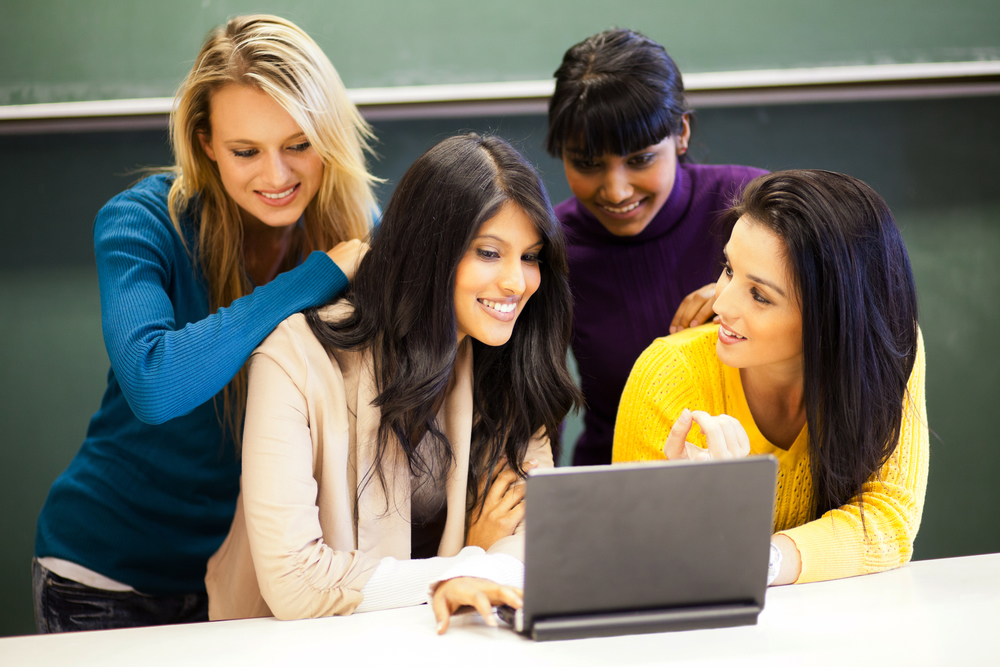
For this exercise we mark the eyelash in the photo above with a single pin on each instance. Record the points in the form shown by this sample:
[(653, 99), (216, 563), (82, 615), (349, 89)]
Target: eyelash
[(250, 152), (634, 162), (530, 258), (757, 296)]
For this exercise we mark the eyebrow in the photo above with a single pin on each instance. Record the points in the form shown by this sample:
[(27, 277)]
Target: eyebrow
[(298, 135), (505, 242), (757, 279), (767, 283)]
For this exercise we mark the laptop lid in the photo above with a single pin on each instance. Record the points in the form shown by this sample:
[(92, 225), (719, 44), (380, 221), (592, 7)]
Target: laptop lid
[(681, 538)]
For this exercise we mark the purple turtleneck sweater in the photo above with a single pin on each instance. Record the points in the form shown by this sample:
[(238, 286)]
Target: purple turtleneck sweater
[(627, 289)]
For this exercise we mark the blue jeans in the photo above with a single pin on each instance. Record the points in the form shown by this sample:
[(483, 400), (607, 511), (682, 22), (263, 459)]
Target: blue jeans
[(64, 605)]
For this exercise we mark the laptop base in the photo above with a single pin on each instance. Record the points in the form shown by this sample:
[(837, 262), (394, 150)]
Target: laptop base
[(642, 622)]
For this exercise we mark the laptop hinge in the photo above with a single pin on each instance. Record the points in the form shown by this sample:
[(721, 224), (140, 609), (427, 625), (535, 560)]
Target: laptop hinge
[(640, 622)]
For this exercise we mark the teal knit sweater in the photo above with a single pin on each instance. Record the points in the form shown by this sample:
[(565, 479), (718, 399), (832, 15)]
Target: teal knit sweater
[(152, 491)]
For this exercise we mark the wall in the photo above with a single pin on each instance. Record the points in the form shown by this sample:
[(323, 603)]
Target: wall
[(64, 50)]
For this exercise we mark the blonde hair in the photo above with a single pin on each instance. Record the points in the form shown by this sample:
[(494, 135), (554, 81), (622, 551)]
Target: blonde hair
[(278, 58)]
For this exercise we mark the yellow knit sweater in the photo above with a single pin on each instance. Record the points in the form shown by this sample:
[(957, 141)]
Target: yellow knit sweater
[(683, 371)]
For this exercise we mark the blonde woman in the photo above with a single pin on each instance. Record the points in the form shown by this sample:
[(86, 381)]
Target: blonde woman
[(260, 218)]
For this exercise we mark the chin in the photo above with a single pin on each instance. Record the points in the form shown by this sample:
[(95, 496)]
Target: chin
[(727, 356), (495, 338)]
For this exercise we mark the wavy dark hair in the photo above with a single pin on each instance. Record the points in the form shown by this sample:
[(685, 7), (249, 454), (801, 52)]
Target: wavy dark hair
[(616, 92), (859, 318), (404, 311)]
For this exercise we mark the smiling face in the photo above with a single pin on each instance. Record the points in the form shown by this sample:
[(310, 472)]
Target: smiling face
[(761, 320), (265, 161), (625, 192), (497, 276)]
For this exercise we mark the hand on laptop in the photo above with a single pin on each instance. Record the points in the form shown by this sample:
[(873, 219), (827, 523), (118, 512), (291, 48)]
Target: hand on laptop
[(502, 510), (480, 594), (726, 437)]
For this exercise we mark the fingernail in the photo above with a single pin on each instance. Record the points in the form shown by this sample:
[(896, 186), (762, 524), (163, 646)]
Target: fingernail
[(490, 621), (686, 415), (694, 323), (673, 329), (533, 462), (440, 627)]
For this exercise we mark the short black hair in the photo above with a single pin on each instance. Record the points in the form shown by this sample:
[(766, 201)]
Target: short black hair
[(616, 92)]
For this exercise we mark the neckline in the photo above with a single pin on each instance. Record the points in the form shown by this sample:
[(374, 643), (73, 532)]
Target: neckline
[(739, 396)]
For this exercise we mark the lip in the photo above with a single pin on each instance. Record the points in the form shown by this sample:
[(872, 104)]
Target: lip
[(496, 314), (726, 339), (640, 207), (277, 203)]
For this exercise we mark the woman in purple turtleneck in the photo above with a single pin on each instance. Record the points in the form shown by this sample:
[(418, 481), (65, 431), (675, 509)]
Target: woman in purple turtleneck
[(643, 248)]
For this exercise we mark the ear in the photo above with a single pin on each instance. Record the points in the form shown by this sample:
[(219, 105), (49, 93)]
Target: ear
[(685, 135), (206, 145)]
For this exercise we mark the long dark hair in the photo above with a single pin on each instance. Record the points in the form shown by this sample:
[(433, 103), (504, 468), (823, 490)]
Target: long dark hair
[(404, 311), (859, 318), (616, 92)]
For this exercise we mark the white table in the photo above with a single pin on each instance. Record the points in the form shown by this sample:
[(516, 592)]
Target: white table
[(940, 612)]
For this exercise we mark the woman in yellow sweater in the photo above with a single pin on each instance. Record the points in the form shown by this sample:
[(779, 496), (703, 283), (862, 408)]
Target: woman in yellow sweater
[(818, 361)]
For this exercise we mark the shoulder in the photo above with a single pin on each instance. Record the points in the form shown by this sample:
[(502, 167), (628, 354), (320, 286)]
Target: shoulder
[(294, 346), (141, 210), (722, 180), (151, 193), (684, 357), (570, 212)]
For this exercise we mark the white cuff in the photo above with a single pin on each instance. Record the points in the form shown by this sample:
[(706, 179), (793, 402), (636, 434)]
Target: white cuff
[(499, 568), (404, 583)]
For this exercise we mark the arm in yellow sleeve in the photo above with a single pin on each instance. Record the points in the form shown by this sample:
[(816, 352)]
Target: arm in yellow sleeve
[(676, 372), (836, 545)]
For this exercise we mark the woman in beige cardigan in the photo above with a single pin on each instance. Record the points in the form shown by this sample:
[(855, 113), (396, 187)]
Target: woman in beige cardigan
[(387, 433)]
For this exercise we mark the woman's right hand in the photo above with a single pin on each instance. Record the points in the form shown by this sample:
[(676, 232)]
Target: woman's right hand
[(480, 594), (727, 439), (347, 255), (695, 309), (502, 511)]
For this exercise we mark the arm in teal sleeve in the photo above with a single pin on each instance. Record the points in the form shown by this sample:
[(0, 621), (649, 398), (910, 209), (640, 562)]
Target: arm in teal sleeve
[(167, 368)]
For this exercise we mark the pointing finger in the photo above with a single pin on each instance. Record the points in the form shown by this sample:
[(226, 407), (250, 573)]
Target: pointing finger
[(674, 447)]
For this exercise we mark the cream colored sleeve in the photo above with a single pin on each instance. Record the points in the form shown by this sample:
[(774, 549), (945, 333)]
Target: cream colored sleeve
[(299, 575), (836, 545)]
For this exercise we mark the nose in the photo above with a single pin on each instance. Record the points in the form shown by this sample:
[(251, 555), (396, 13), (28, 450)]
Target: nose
[(512, 277), (616, 187), (276, 170), (725, 301)]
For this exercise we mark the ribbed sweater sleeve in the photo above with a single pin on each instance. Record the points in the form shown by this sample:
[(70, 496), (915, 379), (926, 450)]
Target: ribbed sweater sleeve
[(892, 501), (167, 367), (672, 374)]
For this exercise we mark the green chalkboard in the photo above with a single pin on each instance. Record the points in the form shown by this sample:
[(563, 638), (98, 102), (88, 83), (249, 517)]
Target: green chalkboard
[(70, 50)]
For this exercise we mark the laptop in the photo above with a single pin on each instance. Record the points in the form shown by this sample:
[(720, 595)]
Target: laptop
[(647, 547)]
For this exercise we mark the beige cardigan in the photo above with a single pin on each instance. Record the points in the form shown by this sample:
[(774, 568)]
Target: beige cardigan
[(294, 549)]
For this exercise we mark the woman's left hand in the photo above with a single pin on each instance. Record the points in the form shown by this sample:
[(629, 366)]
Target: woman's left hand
[(347, 255), (726, 437), (502, 509), (480, 594)]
